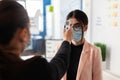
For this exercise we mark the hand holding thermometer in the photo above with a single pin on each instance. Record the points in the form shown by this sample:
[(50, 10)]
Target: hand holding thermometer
[(67, 24)]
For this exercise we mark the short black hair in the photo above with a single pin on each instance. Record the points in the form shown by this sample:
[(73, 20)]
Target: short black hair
[(12, 16), (79, 15)]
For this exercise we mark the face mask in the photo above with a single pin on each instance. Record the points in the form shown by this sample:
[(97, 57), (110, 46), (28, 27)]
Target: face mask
[(77, 35)]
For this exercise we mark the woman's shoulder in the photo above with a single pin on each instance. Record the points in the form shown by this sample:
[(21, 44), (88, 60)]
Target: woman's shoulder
[(91, 45), (94, 50), (36, 60)]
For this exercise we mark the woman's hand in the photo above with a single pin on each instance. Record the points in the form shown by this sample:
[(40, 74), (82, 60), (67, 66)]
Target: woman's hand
[(67, 35)]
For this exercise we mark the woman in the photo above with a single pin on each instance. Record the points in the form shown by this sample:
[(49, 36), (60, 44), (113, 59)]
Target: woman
[(85, 60), (14, 36)]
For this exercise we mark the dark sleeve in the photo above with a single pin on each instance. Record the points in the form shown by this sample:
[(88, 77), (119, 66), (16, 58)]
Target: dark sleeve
[(39, 68), (60, 62)]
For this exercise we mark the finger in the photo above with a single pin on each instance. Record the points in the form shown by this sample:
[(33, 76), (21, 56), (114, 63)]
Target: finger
[(64, 30)]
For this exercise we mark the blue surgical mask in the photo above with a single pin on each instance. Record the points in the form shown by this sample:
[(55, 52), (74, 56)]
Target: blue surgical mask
[(77, 35)]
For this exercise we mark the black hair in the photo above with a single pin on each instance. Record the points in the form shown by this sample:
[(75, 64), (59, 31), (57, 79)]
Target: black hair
[(79, 15), (12, 17)]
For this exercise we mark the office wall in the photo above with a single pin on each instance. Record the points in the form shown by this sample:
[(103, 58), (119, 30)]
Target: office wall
[(106, 29), (86, 7)]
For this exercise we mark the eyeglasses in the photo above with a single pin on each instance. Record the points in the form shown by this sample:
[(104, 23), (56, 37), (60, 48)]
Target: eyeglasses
[(78, 26)]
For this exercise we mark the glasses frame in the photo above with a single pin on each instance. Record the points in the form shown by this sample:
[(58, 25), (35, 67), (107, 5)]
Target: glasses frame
[(78, 26)]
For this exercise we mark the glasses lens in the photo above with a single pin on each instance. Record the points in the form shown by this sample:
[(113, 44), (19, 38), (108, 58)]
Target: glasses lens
[(77, 26)]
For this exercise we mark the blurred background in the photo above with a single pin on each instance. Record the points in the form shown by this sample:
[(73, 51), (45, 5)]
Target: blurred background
[(47, 19)]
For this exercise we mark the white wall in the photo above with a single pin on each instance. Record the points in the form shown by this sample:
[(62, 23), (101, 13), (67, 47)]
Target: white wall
[(49, 23), (56, 19), (86, 7), (109, 76), (106, 29)]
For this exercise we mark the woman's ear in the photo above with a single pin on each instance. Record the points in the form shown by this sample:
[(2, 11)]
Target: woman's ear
[(85, 28), (23, 34)]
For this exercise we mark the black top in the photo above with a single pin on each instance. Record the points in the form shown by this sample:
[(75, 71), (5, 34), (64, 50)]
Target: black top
[(74, 60), (13, 67)]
